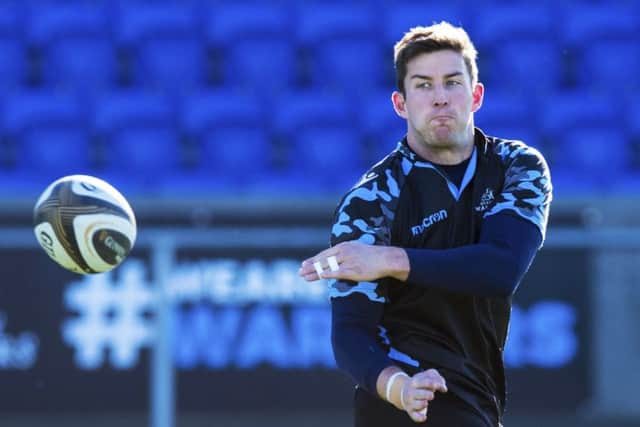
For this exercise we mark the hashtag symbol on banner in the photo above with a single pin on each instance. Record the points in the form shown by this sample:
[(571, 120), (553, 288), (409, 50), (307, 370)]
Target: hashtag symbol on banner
[(114, 317)]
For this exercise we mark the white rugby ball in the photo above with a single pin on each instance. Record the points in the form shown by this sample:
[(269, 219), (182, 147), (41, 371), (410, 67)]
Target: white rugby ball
[(84, 224)]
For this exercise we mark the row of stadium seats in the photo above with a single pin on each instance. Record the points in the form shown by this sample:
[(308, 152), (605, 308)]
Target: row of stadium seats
[(301, 139), (276, 65), (305, 22), (273, 45)]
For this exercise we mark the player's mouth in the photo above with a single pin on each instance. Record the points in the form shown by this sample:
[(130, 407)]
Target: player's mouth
[(442, 117)]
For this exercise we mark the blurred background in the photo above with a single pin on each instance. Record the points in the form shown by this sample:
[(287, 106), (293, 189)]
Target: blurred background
[(233, 128)]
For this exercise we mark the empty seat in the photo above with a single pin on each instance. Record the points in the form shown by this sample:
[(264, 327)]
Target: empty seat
[(525, 66), (250, 44), (48, 132), (319, 22), (14, 66), (243, 154), (357, 65), (331, 154), (261, 65), (220, 108), (230, 22), (588, 23), (297, 110), (380, 126), (632, 123), (505, 109), (324, 123), (563, 111), (338, 41), (603, 63), (595, 152), (74, 41), (139, 138), (164, 45), (229, 134), (508, 22)]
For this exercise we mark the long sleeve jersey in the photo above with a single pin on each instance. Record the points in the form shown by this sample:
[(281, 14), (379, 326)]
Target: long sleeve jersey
[(453, 312)]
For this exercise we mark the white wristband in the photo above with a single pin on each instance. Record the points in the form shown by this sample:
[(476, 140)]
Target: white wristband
[(392, 378)]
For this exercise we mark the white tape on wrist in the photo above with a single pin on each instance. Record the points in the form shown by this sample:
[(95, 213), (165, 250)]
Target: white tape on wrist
[(392, 378)]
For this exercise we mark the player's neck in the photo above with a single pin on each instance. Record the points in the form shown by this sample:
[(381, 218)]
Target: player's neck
[(449, 155)]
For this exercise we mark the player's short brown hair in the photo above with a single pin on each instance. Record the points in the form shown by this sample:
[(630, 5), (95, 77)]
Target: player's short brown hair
[(436, 37)]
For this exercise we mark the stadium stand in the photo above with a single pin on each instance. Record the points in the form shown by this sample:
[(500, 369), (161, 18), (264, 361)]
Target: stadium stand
[(285, 76)]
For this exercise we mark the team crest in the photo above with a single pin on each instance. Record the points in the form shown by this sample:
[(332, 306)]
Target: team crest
[(485, 201)]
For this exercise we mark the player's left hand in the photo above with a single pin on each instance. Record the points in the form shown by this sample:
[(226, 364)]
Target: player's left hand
[(358, 262)]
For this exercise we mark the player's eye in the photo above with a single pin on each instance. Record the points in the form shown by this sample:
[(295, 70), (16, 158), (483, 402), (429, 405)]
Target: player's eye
[(453, 83), (424, 85)]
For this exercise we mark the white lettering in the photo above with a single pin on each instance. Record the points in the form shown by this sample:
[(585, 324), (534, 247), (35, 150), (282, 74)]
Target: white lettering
[(428, 221)]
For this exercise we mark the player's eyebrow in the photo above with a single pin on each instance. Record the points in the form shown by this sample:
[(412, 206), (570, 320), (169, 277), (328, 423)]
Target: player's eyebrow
[(447, 76)]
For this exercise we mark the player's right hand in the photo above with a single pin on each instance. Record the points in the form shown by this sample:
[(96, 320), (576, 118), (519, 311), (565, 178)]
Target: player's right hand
[(419, 390)]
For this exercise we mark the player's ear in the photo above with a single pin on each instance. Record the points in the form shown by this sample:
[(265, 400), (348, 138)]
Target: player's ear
[(399, 104), (477, 96)]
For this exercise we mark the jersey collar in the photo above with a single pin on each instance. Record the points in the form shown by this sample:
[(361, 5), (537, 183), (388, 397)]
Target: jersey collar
[(416, 161)]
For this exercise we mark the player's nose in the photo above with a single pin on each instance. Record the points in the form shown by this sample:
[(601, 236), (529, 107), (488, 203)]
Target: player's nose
[(440, 97)]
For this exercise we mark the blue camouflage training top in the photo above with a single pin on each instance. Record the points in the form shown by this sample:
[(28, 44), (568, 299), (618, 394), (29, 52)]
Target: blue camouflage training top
[(408, 202)]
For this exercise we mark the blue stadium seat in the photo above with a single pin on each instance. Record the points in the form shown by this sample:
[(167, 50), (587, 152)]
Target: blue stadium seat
[(297, 110), (316, 117), (140, 138), (596, 22), (505, 109), (320, 22), (243, 154), (220, 108), (251, 45), (230, 22), (526, 66), (603, 63), (333, 155), (633, 118), (338, 42), (508, 22), (75, 43), (564, 111), (230, 134), (261, 65), (510, 116), (49, 134), (592, 153), (379, 124), (165, 43), (13, 67), (356, 65)]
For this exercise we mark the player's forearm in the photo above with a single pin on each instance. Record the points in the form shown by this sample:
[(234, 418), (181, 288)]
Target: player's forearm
[(493, 267), (353, 337)]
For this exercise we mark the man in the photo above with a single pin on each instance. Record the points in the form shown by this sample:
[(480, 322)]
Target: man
[(428, 248)]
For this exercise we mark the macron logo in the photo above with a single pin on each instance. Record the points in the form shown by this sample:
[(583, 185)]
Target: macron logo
[(428, 221)]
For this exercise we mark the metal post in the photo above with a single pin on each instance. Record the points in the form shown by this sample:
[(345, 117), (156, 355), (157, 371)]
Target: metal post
[(162, 374)]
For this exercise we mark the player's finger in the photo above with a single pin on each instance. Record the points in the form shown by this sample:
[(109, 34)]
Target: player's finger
[(430, 379), (343, 272), (321, 257), (419, 416), (310, 277), (430, 384), (423, 394)]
